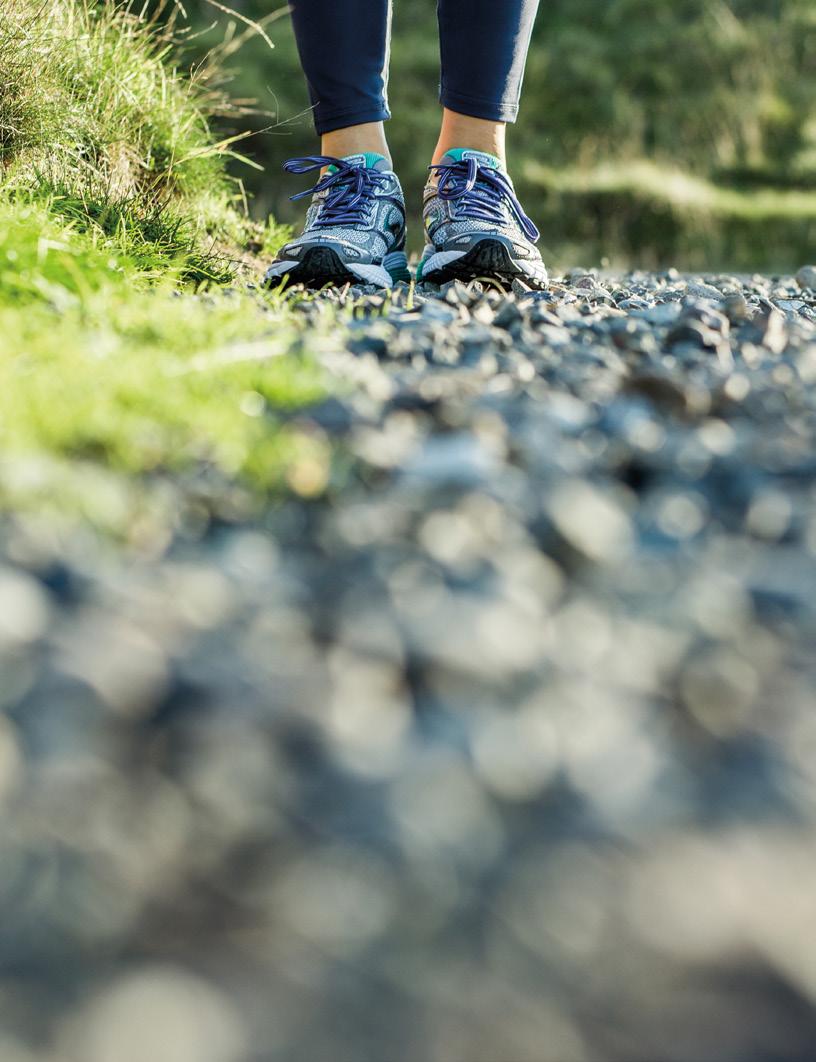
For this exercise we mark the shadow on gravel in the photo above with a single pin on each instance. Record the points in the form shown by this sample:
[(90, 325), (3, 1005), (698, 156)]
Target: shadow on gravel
[(503, 751)]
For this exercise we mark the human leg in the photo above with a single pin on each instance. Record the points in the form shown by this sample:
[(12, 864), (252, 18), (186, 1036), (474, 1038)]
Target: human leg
[(481, 134), (483, 47), (355, 226), (474, 222), (344, 51)]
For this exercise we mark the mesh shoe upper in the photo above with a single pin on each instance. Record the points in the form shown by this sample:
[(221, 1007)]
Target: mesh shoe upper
[(357, 207), (469, 196)]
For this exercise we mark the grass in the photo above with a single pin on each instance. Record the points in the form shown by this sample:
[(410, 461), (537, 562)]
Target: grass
[(145, 383), (128, 380), (89, 104)]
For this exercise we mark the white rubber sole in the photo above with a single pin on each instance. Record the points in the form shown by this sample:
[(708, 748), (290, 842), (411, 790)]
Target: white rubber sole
[(278, 270), (372, 274), (439, 260), (369, 274), (489, 258)]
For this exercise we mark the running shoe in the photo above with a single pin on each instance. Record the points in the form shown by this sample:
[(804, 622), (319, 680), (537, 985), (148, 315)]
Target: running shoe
[(355, 226), (474, 225)]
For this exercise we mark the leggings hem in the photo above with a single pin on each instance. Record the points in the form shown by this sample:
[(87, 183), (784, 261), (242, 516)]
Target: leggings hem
[(489, 110), (330, 123)]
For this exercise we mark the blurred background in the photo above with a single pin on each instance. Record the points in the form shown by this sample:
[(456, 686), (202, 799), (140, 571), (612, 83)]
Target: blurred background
[(651, 131)]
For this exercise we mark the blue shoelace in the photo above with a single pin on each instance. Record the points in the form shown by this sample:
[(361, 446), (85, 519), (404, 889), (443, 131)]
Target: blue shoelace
[(480, 193), (351, 189)]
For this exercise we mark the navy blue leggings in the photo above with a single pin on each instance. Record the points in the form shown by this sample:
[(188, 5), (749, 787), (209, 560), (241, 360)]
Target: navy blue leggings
[(344, 49)]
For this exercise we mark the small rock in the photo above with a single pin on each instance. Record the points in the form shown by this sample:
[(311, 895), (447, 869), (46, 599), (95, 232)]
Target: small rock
[(662, 389), (508, 316), (438, 311), (665, 313), (456, 293), (737, 308), (773, 333), (591, 521), (704, 291), (806, 277)]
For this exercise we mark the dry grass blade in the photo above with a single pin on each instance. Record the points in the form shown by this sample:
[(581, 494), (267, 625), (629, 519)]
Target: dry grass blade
[(256, 26)]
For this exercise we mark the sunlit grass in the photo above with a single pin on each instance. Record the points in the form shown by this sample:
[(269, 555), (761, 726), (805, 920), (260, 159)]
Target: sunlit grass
[(142, 381), (127, 373)]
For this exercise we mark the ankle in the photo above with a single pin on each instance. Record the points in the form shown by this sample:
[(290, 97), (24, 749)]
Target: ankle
[(356, 140), (463, 131)]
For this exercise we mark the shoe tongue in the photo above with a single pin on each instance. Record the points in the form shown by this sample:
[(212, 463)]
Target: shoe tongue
[(482, 157), (368, 159)]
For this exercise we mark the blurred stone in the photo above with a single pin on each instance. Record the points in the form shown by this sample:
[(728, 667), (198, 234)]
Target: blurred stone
[(704, 291), (24, 608), (663, 390), (161, 1013), (590, 521), (771, 329), (806, 277), (337, 897), (737, 308)]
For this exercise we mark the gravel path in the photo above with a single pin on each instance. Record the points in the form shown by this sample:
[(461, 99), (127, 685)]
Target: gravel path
[(506, 752)]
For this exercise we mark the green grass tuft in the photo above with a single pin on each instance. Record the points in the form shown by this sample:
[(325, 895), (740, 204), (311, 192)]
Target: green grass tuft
[(121, 389), (97, 121)]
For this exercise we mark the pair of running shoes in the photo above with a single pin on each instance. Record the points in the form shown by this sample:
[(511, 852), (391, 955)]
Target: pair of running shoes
[(475, 227)]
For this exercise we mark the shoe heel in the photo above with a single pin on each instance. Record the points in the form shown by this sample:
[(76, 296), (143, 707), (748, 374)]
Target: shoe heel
[(396, 265)]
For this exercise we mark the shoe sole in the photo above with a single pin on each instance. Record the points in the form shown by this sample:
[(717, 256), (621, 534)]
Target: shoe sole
[(320, 267), (323, 267), (489, 260)]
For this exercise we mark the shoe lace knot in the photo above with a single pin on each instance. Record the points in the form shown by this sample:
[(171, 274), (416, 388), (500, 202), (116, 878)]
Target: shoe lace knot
[(481, 193), (351, 189)]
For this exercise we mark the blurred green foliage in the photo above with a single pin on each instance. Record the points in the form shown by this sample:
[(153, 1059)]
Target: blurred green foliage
[(722, 91)]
